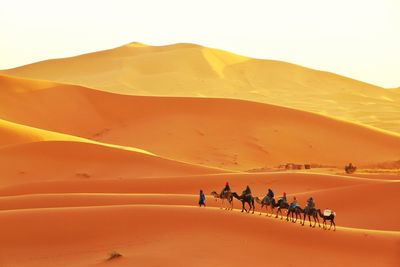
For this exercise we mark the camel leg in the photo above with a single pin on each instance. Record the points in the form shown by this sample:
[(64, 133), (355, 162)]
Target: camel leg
[(334, 225)]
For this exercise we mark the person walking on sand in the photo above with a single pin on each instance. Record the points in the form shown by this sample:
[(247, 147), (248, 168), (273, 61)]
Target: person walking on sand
[(202, 200)]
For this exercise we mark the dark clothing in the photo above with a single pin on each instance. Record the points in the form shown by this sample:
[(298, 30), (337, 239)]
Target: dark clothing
[(310, 204), (227, 188), (247, 191), (202, 200), (270, 194)]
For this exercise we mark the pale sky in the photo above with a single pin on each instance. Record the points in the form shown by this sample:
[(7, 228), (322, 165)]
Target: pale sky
[(356, 38)]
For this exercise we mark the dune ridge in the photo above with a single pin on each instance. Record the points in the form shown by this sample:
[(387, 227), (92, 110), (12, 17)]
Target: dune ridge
[(220, 133), (198, 71), (87, 171)]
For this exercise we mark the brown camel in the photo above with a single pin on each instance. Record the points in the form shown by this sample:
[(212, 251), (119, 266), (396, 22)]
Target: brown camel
[(225, 196), (281, 206), (294, 210), (308, 211), (325, 218), (249, 199), (266, 201)]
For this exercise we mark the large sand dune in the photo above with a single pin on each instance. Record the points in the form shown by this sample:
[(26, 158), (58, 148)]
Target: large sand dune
[(193, 70), (223, 133), (84, 172)]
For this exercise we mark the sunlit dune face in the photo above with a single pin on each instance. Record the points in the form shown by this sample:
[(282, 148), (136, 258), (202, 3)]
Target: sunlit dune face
[(122, 157), (222, 133), (193, 70)]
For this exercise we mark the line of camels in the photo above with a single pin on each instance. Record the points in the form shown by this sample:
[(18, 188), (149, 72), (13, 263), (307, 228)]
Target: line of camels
[(281, 205)]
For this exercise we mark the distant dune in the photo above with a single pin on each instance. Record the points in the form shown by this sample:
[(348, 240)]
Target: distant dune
[(193, 70), (223, 133)]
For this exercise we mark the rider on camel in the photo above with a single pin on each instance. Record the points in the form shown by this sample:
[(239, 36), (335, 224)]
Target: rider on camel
[(247, 191), (284, 199), (310, 203), (270, 194), (227, 188), (293, 205)]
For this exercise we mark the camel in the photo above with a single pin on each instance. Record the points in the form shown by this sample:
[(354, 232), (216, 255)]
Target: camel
[(266, 201), (311, 212), (325, 218), (226, 196), (294, 210), (249, 199), (281, 205)]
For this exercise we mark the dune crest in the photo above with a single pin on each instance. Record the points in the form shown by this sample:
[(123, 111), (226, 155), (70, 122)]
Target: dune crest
[(194, 70), (115, 163), (222, 133)]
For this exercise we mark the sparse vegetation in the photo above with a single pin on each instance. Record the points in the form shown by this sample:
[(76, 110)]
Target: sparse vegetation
[(113, 255), (83, 175)]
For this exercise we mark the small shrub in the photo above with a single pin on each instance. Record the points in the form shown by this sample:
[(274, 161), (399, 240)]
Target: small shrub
[(113, 255)]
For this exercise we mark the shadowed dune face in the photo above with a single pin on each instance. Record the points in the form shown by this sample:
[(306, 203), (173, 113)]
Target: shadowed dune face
[(192, 70), (60, 160), (229, 134)]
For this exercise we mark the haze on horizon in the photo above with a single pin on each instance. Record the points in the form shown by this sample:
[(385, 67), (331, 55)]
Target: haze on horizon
[(358, 39)]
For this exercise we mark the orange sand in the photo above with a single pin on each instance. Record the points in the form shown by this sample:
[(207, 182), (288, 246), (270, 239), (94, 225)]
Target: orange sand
[(228, 134), (197, 71), (85, 172)]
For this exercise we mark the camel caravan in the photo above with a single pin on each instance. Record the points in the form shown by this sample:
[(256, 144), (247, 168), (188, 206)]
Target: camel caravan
[(293, 211)]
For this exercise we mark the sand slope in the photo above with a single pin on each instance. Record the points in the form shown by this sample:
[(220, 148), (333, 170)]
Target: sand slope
[(160, 235), (58, 160), (85, 172), (350, 197), (193, 70), (228, 134)]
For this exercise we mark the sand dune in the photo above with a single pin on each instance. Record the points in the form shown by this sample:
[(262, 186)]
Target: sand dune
[(351, 197), (160, 235), (84, 172), (193, 70), (228, 134), (60, 160)]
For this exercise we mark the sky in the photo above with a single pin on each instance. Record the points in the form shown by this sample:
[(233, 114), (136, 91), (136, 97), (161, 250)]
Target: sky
[(355, 38)]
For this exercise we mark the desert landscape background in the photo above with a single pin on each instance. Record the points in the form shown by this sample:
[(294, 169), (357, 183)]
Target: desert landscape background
[(107, 151)]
